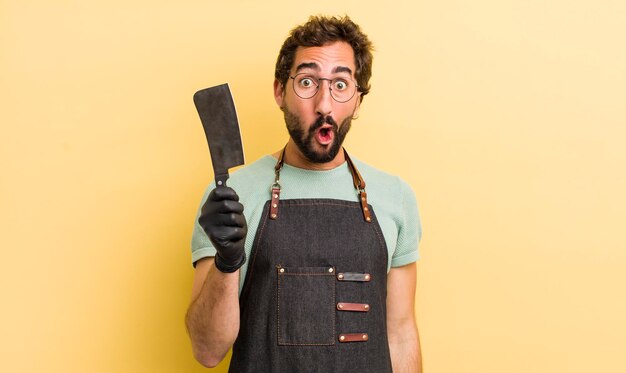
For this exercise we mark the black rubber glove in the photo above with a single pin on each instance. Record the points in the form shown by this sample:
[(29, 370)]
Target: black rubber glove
[(223, 221)]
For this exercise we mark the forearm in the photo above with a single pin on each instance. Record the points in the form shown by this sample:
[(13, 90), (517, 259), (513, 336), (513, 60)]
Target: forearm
[(213, 317), (406, 356), (404, 344)]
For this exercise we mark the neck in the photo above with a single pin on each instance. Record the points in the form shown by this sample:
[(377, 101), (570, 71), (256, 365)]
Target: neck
[(295, 158)]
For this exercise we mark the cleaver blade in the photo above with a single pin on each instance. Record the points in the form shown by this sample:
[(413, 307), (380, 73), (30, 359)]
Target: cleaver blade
[(217, 112)]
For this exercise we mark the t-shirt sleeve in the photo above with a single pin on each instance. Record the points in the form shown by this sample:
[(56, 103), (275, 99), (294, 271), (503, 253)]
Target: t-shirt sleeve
[(201, 246), (410, 229)]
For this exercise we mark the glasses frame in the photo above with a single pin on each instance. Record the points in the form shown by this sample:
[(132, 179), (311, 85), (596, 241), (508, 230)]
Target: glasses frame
[(330, 85)]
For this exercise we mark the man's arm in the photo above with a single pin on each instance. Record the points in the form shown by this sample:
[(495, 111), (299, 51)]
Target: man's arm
[(404, 343), (213, 316)]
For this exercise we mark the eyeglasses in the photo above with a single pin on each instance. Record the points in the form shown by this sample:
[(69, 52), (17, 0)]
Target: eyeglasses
[(341, 89)]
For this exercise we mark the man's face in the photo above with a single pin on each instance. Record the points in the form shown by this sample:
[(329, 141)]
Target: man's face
[(318, 125)]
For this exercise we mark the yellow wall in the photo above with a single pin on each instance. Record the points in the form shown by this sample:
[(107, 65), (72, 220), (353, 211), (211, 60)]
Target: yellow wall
[(507, 117)]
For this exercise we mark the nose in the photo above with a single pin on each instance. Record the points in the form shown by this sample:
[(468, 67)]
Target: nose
[(323, 99)]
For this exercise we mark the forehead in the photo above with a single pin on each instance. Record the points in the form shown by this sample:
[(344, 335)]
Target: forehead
[(326, 58)]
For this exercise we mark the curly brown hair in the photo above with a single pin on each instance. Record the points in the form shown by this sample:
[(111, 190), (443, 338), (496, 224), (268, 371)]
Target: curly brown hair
[(320, 30)]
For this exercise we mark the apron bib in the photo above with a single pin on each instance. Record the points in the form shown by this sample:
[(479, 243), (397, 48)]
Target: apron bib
[(314, 296)]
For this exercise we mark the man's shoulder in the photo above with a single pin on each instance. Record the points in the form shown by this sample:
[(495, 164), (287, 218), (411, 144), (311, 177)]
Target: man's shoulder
[(263, 165), (376, 175), (382, 184)]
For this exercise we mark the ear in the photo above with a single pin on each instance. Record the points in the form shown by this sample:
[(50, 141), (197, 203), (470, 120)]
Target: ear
[(279, 93)]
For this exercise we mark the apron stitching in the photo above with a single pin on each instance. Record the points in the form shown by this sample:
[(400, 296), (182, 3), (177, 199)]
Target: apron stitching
[(334, 321), (323, 204), (278, 309), (255, 252), (327, 204), (380, 241), (334, 312)]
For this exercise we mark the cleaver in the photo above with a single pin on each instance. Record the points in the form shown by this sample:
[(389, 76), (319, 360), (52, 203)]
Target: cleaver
[(217, 112)]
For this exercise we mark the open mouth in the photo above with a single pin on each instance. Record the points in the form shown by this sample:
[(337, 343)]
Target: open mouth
[(325, 135)]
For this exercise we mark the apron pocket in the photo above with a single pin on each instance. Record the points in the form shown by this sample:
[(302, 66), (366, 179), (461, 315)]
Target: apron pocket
[(306, 306)]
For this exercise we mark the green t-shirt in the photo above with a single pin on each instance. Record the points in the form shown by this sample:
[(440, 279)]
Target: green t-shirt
[(391, 198)]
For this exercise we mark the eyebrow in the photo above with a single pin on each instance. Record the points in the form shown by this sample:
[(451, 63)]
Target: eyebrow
[(342, 69), (315, 66), (307, 65)]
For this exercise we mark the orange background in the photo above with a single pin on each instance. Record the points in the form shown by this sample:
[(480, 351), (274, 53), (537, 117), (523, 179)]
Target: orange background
[(507, 118)]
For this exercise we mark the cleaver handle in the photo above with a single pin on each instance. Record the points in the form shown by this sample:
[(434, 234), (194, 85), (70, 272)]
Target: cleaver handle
[(220, 179)]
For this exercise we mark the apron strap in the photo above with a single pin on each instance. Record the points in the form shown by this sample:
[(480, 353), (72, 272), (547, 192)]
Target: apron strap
[(359, 185), (275, 189), (357, 180)]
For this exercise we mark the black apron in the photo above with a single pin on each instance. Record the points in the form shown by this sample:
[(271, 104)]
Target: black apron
[(314, 296)]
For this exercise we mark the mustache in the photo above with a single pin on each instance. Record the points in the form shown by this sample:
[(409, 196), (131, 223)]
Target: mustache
[(320, 121)]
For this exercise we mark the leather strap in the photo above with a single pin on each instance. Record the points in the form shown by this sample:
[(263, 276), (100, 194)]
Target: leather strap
[(352, 276), (275, 200), (275, 189), (357, 180), (353, 307), (353, 337), (359, 184), (281, 160)]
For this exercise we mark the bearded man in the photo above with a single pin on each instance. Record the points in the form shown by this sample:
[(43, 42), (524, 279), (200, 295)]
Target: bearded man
[(317, 273)]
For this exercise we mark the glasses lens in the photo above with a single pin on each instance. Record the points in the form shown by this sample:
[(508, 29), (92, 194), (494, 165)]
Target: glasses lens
[(342, 89), (305, 86)]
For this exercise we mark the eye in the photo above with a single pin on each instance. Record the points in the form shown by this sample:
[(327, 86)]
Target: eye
[(340, 85), (307, 82)]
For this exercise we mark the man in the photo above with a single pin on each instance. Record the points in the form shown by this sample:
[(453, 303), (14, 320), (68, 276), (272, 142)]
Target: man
[(317, 275)]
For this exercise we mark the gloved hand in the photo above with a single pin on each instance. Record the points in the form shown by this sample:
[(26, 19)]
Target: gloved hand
[(222, 219)]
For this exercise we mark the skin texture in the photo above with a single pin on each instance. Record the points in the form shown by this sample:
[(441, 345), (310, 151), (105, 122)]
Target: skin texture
[(330, 61), (404, 343), (213, 316), (305, 139)]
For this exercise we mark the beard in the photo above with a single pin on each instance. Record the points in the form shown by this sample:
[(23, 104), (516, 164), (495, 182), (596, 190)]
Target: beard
[(306, 140)]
